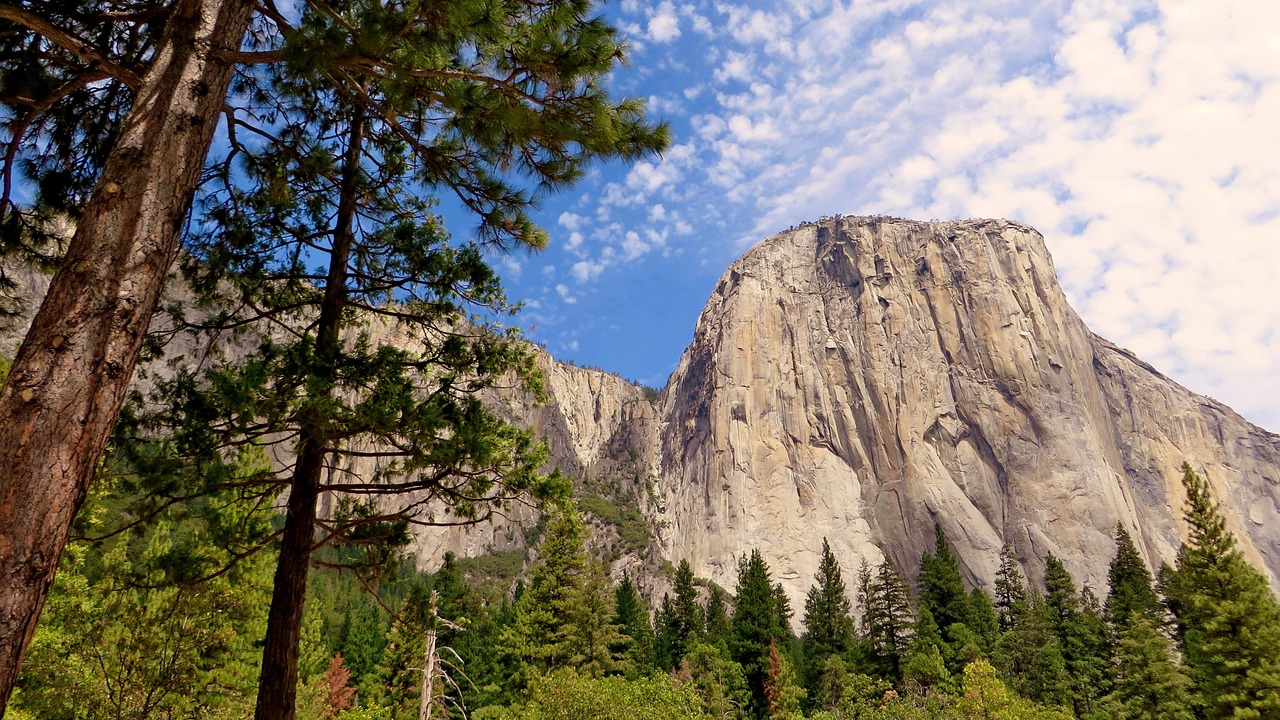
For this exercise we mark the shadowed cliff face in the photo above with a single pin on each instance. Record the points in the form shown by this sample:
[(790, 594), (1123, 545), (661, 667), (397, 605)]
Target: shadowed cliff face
[(860, 379)]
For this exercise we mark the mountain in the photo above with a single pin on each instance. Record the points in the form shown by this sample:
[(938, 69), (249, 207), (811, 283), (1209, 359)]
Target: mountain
[(862, 378)]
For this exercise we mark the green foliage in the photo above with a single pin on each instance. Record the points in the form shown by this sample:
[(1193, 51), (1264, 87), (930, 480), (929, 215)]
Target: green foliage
[(983, 621), (680, 621), (1011, 589), (828, 619), (631, 618), (719, 625), (125, 633), (939, 583), (1030, 655), (562, 619), (567, 695), (633, 529), (985, 696), (756, 625), (715, 679), (1227, 617), (1149, 683), (1130, 582), (887, 618)]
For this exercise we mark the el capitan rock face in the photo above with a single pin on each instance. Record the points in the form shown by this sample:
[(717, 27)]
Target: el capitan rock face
[(860, 379)]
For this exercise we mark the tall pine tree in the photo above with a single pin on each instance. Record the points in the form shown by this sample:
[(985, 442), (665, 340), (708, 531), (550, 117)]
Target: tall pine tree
[(1131, 585), (828, 620), (1149, 684), (755, 626), (1227, 617), (887, 619), (1011, 589), (940, 585)]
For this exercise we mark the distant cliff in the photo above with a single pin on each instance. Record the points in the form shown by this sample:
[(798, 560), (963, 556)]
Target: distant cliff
[(860, 379)]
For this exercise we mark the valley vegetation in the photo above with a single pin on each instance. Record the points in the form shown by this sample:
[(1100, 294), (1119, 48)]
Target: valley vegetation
[(125, 636)]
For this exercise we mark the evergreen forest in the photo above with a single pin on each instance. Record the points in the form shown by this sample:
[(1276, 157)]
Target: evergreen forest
[(127, 633)]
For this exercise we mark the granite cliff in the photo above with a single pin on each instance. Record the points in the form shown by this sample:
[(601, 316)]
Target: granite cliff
[(862, 378), (859, 379)]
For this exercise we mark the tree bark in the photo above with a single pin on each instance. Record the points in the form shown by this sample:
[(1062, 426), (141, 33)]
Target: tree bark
[(278, 683), (70, 377)]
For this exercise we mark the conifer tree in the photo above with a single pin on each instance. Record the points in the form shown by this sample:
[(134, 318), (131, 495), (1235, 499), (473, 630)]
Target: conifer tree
[(940, 585), (717, 681), (719, 625), (828, 619), (926, 663), (631, 618), (682, 620), (755, 626), (887, 619), (1081, 633), (1011, 589), (562, 617), (498, 104), (1131, 585), (983, 620), (1149, 684), (1227, 617), (1031, 656)]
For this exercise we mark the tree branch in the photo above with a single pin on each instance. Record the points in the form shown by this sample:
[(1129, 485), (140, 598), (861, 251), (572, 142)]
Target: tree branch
[(71, 43)]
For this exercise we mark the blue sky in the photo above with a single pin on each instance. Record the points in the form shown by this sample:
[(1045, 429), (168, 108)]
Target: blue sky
[(1141, 138)]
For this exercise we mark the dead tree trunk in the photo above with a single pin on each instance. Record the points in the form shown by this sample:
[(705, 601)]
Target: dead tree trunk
[(71, 374)]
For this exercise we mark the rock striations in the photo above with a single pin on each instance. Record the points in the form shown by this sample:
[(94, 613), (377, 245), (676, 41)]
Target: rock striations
[(860, 379)]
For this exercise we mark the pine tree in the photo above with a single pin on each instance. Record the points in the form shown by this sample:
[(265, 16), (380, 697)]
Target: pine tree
[(887, 619), (941, 587), (443, 103), (755, 626), (562, 617), (926, 663), (1227, 617), (682, 621), (719, 625), (983, 620), (717, 681), (1031, 656), (1011, 589), (1131, 585), (1081, 633), (828, 619), (1149, 684), (631, 618)]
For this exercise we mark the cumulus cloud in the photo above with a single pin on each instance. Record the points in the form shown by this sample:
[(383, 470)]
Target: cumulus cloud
[(1139, 137), (664, 25)]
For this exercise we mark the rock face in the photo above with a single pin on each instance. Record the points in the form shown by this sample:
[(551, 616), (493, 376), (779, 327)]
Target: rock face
[(860, 379)]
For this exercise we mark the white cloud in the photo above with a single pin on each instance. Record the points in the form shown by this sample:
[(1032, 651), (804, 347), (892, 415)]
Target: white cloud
[(571, 221), (1138, 137), (664, 25), (565, 294), (586, 270)]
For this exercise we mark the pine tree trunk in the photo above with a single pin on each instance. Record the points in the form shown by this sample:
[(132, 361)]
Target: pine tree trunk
[(278, 684), (71, 374)]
